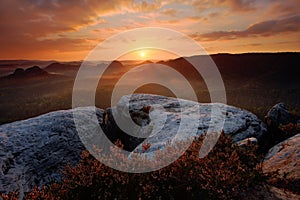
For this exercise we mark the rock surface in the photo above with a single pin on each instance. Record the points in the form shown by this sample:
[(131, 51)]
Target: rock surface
[(279, 115), (248, 141), (32, 151), (268, 192), (114, 133), (285, 158), (166, 115)]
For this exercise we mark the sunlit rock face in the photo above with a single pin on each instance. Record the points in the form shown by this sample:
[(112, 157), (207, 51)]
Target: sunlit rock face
[(33, 151), (162, 124), (284, 157)]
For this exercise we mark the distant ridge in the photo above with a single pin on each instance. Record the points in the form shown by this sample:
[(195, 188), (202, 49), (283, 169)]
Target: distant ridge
[(58, 67), (270, 66), (284, 65), (30, 72)]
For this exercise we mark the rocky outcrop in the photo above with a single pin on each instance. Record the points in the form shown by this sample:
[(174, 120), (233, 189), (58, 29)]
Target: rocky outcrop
[(30, 72), (277, 116), (283, 160), (166, 114), (284, 157), (35, 70), (19, 72), (114, 133), (33, 151)]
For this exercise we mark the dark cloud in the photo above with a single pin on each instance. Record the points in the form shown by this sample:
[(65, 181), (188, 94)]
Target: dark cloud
[(265, 28), (32, 23), (58, 15), (284, 8), (39, 18)]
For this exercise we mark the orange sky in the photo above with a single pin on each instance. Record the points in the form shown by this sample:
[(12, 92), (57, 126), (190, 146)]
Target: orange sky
[(70, 29)]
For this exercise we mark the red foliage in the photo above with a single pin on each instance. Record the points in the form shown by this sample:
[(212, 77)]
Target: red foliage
[(226, 173)]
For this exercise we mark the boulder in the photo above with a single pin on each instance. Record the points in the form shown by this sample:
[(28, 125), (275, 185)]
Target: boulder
[(33, 151), (284, 157), (279, 115), (167, 113)]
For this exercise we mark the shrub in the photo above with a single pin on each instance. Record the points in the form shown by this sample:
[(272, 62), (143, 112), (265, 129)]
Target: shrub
[(289, 130), (227, 172)]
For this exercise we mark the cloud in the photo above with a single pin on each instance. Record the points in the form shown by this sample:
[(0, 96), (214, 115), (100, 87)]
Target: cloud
[(286, 8), (42, 17), (261, 29), (37, 18), (74, 25), (238, 5), (233, 5), (197, 18), (26, 23), (170, 12), (145, 6)]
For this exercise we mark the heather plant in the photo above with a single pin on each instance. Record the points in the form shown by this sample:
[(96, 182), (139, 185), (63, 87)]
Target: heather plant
[(289, 130), (227, 172)]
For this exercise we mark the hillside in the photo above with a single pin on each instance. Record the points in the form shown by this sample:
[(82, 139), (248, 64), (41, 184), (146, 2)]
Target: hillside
[(254, 81)]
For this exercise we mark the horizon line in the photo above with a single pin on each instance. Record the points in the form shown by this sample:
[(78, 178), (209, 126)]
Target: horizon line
[(221, 53)]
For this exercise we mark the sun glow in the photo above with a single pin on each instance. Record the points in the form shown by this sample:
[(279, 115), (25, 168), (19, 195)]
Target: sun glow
[(148, 54), (142, 54)]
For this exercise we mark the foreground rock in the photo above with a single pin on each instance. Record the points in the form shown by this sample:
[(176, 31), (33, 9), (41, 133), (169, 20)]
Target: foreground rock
[(284, 157), (33, 151), (268, 192), (166, 115)]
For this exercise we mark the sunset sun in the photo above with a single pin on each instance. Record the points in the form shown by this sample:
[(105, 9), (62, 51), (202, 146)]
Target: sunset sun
[(142, 54)]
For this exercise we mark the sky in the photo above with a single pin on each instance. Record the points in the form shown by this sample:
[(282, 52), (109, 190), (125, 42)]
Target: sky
[(70, 29)]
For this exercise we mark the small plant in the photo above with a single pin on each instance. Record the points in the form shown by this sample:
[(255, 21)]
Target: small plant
[(289, 130), (146, 146)]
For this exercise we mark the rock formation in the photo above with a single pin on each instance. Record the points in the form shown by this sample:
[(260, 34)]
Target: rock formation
[(284, 157), (34, 150), (29, 72), (277, 116)]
